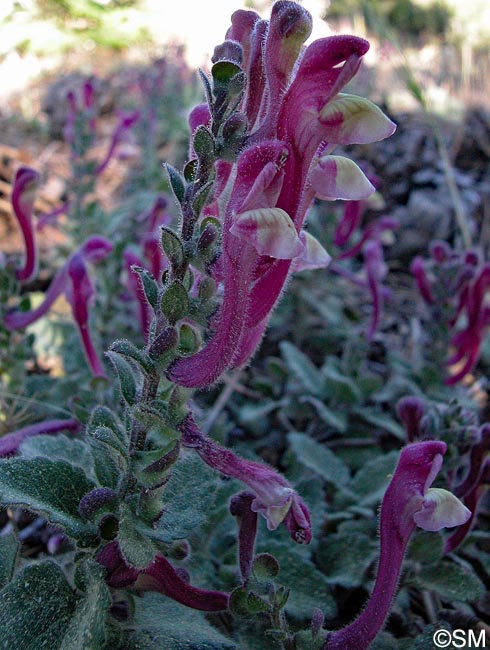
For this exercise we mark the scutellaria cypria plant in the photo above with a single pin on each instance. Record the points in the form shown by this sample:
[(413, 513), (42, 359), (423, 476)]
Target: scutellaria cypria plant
[(125, 491)]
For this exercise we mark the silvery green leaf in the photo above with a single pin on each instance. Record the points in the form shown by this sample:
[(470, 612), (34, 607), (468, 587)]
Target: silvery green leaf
[(53, 488), (319, 458)]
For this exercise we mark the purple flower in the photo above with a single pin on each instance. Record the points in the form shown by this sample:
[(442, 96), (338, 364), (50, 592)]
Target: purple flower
[(241, 508), (125, 123), (80, 293), (348, 223), (420, 274), (471, 500), (159, 576), (455, 287), (275, 499), (10, 443), (23, 196), (409, 501), (50, 218), (69, 128), (474, 486), (468, 341), (411, 410), (478, 454), (118, 574), (73, 280)]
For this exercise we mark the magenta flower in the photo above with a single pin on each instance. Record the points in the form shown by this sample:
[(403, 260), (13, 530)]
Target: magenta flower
[(468, 340), (241, 508), (51, 218), (478, 454), (411, 410), (69, 128), (80, 119), (10, 443), (472, 501), (23, 196), (348, 223), (455, 287), (118, 574), (423, 283), (125, 123), (275, 499), (474, 486), (159, 576), (409, 501), (296, 115), (73, 280), (80, 293)]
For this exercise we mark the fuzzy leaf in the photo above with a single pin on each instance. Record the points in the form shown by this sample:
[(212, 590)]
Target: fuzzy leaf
[(383, 421), (371, 481), (8, 554), (223, 72), (175, 302), (149, 285), (265, 566), (334, 419), (125, 375), (136, 548), (162, 624), (204, 145), (303, 369), (340, 387), (344, 558), (308, 585), (318, 458), (189, 339), (172, 247), (176, 182), (188, 498), (109, 438), (35, 609), (87, 627), (53, 488), (426, 548), (152, 467), (256, 604), (107, 463), (200, 199), (127, 349), (451, 581), (60, 447), (101, 416)]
